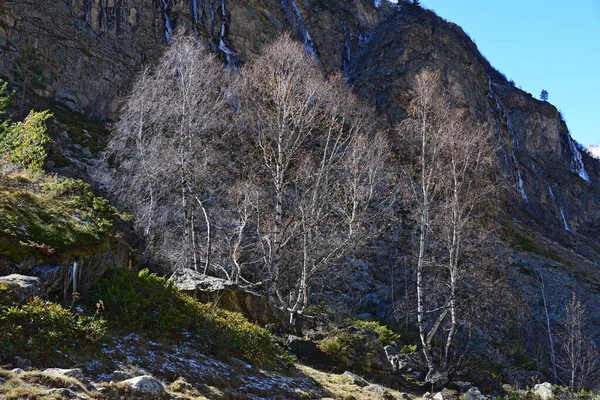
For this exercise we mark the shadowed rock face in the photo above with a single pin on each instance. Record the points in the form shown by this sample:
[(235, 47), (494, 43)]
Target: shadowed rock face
[(91, 49)]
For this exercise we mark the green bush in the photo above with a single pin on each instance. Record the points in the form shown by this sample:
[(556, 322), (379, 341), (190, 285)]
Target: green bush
[(385, 334), (153, 306), (38, 328), (24, 142)]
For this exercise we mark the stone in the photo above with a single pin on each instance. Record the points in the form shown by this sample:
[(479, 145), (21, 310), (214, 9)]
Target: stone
[(438, 396), (437, 379), (522, 379), (306, 349), (75, 373), (255, 307), (355, 379), (17, 371), (544, 390), (383, 392), (63, 394), (475, 394), (463, 385), (22, 288), (145, 383)]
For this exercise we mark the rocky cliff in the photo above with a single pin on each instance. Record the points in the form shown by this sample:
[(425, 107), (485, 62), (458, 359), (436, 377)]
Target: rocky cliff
[(91, 49)]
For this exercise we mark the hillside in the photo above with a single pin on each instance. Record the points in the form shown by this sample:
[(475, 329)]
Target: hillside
[(381, 211)]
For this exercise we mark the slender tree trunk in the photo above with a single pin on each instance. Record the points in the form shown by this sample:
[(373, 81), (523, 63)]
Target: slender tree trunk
[(549, 330), (423, 222)]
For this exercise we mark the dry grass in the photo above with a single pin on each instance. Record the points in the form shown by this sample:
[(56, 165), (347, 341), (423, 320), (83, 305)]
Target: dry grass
[(340, 387)]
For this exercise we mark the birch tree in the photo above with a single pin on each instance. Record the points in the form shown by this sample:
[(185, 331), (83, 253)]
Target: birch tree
[(160, 147), (448, 164), (321, 159)]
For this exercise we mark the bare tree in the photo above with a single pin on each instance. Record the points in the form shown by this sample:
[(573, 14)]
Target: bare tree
[(577, 355), (449, 164), (160, 147), (321, 169)]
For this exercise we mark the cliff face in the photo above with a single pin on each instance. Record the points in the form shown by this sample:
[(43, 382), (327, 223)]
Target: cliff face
[(91, 49), (557, 184)]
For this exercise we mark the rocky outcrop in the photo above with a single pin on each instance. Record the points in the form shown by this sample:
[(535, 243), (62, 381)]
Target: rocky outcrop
[(78, 270), (145, 384), (544, 390), (227, 295), (20, 288), (90, 50)]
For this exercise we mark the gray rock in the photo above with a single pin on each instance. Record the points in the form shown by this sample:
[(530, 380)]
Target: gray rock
[(474, 394), (379, 390), (463, 385), (306, 349), (64, 394), (438, 379), (438, 396), (75, 373), (521, 378), (227, 295), (17, 371), (146, 384), (544, 390), (23, 287), (355, 379)]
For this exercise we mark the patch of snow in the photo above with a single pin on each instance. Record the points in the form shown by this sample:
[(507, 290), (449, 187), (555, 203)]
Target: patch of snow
[(594, 150)]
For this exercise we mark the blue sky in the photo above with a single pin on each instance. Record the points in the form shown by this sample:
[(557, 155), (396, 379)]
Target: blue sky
[(551, 44)]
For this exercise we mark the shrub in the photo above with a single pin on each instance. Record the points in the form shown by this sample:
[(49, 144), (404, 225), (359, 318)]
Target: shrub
[(386, 335), (38, 328), (24, 142), (153, 306)]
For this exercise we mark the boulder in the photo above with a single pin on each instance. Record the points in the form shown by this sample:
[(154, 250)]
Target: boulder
[(307, 349), (463, 386), (437, 379), (402, 362), (474, 394), (75, 373), (383, 392), (355, 379), (227, 295), (146, 383), (544, 390), (20, 288), (522, 379)]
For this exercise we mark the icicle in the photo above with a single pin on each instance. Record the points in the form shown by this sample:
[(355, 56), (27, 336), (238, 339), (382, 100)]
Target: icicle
[(75, 276), (195, 10), (302, 33), (168, 26), (551, 193), (229, 54), (562, 213), (521, 187), (577, 165)]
